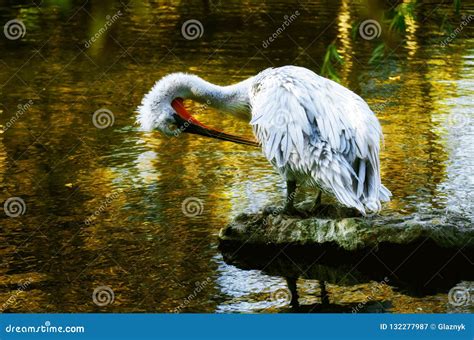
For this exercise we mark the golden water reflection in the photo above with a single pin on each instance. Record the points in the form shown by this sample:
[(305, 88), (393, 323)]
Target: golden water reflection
[(140, 243)]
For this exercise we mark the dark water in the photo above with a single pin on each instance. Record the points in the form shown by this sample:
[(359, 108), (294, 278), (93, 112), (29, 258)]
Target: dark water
[(104, 206)]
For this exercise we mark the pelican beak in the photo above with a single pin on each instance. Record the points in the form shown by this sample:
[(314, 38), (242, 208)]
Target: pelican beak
[(189, 124)]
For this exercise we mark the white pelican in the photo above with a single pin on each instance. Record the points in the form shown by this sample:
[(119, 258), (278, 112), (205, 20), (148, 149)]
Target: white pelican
[(311, 129)]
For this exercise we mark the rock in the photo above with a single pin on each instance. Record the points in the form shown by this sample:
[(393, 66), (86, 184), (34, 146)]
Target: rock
[(420, 253), (349, 233)]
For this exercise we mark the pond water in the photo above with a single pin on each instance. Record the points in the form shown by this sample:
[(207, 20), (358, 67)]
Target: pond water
[(104, 206)]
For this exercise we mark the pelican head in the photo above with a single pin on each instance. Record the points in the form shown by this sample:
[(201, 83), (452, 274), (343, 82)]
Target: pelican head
[(156, 111), (163, 108)]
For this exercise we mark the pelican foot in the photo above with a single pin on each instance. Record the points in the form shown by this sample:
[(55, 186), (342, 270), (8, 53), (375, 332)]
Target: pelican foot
[(332, 211), (290, 210), (318, 210), (285, 210)]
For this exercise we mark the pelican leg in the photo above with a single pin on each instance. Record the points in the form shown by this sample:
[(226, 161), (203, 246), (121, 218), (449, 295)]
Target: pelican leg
[(289, 207), (292, 287), (317, 203), (290, 197), (324, 293)]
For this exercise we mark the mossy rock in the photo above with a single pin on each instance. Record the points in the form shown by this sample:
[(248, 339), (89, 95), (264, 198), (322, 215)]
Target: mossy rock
[(421, 254), (350, 233)]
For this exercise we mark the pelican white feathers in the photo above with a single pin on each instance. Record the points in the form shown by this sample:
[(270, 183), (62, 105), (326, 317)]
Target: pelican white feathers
[(311, 129)]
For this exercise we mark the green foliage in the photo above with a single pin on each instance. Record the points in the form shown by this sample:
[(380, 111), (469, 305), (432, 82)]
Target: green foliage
[(457, 6), (332, 56), (63, 4), (355, 29), (397, 23), (445, 25), (402, 12), (377, 53)]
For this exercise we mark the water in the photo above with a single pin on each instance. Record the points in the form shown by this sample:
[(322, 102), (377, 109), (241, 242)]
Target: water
[(104, 206)]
